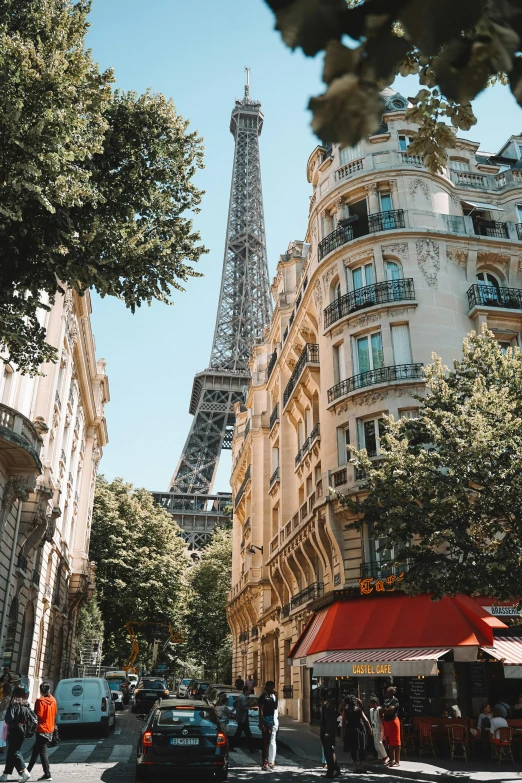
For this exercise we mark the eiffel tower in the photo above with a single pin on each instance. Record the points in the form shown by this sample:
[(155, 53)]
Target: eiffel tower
[(244, 310)]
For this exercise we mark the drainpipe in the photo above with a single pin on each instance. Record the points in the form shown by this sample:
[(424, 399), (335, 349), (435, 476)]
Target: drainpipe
[(3, 622)]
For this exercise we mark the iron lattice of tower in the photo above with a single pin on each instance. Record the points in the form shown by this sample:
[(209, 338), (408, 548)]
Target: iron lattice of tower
[(244, 310)]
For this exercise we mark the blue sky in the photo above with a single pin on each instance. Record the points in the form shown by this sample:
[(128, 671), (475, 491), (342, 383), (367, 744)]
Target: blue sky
[(195, 53)]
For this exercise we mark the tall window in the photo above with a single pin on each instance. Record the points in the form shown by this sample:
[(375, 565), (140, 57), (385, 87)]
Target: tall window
[(386, 202), (519, 213), (343, 441), (404, 142), (369, 352), (459, 165), (369, 434), (401, 344), (336, 292), (351, 153), (362, 276), (393, 270), (338, 362), (489, 287)]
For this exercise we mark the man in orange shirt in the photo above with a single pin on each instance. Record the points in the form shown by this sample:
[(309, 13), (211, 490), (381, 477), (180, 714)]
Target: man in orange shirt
[(45, 709)]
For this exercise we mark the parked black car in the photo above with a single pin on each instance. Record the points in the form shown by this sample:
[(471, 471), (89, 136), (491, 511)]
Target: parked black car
[(197, 689), (182, 736), (147, 691)]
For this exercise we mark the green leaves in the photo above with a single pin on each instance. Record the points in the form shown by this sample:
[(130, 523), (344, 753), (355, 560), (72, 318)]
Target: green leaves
[(96, 187), (447, 496), (460, 48)]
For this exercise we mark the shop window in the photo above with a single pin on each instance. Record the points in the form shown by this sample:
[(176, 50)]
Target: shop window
[(369, 434), (368, 352)]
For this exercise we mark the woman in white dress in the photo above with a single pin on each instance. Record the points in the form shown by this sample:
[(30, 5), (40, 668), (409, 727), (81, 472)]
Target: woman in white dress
[(377, 730)]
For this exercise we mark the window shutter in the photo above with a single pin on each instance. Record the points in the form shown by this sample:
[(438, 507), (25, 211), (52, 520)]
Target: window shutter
[(401, 344)]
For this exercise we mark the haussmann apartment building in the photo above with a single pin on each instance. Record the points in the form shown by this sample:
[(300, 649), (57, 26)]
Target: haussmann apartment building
[(52, 432), (397, 262)]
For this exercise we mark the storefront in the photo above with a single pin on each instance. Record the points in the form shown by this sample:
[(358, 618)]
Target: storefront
[(439, 654)]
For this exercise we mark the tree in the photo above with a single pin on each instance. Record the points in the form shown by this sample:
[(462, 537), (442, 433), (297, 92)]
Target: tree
[(89, 629), (141, 567), (457, 48), (447, 496), (95, 185), (210, 579)]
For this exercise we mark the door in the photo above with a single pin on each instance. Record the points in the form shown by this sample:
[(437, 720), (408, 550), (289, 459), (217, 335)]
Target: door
[(369, 352), (401, 344), (69, 698), (92, 698)]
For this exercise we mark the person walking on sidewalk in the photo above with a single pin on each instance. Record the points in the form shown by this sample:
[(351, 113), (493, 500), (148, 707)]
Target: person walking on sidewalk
[(377, 730), (328, 734), (16, 718), (45, 708), (268, 723), (392, 726), (5, 700), (242, 718), (356, 729)]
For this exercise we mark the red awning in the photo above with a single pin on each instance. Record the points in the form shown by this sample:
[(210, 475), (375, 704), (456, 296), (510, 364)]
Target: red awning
[(397, 621)]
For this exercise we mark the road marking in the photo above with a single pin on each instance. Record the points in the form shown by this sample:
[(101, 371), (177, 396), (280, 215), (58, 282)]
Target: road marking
[(117, 731), (80, 754), (121, 753), (240, 759), (52, 750)]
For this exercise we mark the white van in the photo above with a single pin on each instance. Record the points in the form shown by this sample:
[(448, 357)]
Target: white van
[(85, 700)]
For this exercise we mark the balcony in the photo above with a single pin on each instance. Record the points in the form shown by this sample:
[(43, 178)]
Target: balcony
[(271, 363), (339, 477), (382, 569), (307, 445), (489, 296), (310, 355), (241, 490), (379, 221), (369, 296), (349, 169), (274, 416), (397, 372), (274, 477), (411, 160), (254, 632), (315, 590), (244, 636), (333, 240), (469, 179), (20, 442), (490, 228), (21, 563), (386, 221), (285, 611)]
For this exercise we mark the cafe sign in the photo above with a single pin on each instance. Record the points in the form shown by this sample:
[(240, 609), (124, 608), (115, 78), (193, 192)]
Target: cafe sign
[(404, 668), (503, 611), (371, 669)]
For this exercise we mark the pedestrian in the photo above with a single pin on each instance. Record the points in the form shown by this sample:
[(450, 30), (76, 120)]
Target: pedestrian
[(377, 730), (242, 718), (250, 683), (356, 730), (503, 708), (392, 726), (268, 724), (328, 734), (239, 684), (16, 719), (46, 709), (4, 704)]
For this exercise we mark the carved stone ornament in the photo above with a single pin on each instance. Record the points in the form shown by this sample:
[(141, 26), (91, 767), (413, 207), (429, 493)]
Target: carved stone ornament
[(305, 331), (338, 332), (369, 398), (363, 256), (455, 199), (290, 362), (399, 249), (365, 320), (73, 333), (328, 275), (96, 451), (16, 488), (63, 359), (485, 257), (416, 184), (371, 187), (68, 302), (458, 255), (318, 295), (428, 258)]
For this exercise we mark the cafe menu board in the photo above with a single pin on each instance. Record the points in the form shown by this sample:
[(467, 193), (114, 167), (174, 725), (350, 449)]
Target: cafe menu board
[(478, 680), (419, 701)]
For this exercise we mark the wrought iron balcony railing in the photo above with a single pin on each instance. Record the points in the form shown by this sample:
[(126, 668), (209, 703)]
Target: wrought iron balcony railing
[(489, 296), (315, 590), (274, 477), (310, 355), (382, 569), (490, 228), (241, 490), (397, 372), (271, 363), (285, 611), (335, 239), (244, 636), (274, 416), (307, 445), (22, 562), (386, 221), (368, 296), (254, 632)]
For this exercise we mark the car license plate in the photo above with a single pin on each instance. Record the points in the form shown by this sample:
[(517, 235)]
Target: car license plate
[(176, 741), (70, 716)]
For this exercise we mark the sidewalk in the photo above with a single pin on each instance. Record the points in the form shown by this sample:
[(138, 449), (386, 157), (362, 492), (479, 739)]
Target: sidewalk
[(303, 740)]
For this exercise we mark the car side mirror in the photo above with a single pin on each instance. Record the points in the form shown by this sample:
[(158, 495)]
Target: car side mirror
[(141, 718)]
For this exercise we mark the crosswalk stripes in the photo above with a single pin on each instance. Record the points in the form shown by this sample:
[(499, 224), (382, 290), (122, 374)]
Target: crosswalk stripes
[(240, 759), (121, 753), (80, 754)]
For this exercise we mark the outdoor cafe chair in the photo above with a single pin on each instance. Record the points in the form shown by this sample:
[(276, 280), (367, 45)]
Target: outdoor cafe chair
[(458, 741), (407, 738), (426, 738), (501, 749)]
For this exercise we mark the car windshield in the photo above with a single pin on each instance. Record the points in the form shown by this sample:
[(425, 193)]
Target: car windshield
[(185, 682), (153, 684), (114, 685), (171, 716), (203, 686), (232, 701)]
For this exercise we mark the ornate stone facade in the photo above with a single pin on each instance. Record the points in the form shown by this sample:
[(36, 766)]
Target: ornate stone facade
[(52, 432), (370, 304)]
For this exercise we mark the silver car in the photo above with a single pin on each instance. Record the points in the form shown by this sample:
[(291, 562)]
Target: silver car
[(226, 710), (182, 687)]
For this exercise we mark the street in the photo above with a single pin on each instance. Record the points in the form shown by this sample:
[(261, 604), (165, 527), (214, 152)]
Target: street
[(83, 759)]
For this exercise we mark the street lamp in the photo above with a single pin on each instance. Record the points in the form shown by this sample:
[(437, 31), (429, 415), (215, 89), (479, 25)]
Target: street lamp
[(252, 549)]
